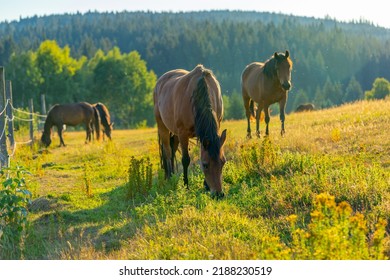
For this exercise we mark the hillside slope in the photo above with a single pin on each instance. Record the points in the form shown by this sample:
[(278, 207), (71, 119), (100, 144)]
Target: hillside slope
[(320, 192)]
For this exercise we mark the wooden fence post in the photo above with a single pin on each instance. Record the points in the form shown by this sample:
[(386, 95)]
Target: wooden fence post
[(43, 109), (43, 104), (31, 109), (10, 115), (3, 143)]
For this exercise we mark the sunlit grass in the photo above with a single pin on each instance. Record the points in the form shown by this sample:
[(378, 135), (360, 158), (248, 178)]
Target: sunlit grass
[(82, 208)]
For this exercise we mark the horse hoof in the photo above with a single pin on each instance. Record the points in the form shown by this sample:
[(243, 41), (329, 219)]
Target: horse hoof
[(206, 187), (248, 136), (217, 195)]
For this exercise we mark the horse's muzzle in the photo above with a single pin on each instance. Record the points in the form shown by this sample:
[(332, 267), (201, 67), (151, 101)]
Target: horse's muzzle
[(286, 85)]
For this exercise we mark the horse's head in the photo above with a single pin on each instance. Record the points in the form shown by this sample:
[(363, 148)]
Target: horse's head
[(45, 139), (108, 130), (212, 165), (283, 67)]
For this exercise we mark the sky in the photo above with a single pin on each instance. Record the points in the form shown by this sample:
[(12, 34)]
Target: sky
[(375, 11)]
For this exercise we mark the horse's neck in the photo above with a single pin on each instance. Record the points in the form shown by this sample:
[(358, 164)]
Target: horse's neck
[(48, 125)]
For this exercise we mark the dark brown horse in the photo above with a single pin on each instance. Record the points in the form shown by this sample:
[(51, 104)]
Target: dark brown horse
[(105, 121), (305, 107), (68, 114), (186, 105), (266, 83)]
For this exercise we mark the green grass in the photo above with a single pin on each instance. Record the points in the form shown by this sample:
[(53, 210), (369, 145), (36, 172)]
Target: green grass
[(320, 192)]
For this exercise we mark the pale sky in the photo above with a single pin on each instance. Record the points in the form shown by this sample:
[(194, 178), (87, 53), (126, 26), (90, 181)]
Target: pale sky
[(376, 11)]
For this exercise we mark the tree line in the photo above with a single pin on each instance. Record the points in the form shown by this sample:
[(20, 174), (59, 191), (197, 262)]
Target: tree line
[(117, 57), (119, 80)]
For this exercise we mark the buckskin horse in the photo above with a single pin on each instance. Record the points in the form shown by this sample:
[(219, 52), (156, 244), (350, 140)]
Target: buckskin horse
[(266, 83), (187, 105), (68, 114)]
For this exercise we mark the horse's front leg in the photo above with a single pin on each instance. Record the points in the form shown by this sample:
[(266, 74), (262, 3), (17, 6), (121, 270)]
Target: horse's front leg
[(248, 130), (59, 130), (282, 108), (88, 131), (185, 160)]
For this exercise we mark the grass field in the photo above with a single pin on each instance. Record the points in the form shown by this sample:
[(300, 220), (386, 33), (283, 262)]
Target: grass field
[(320, 192)]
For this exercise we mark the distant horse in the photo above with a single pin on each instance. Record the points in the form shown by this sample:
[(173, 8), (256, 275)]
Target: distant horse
[(305, 107), (68, 114), (105, 121), (266, 83), (186, 105)]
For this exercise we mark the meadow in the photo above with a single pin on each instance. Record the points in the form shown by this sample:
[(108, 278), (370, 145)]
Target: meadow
[(320, 192)]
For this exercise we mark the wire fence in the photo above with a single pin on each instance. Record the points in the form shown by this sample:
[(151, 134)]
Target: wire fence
[(14, 119), (33, 120)]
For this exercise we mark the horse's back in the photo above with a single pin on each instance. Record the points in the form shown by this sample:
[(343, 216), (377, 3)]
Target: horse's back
[(251, 78), (71, 114), (252, 70), (173, 97)]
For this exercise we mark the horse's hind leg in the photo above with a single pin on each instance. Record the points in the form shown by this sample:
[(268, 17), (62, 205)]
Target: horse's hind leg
[(247, 103)]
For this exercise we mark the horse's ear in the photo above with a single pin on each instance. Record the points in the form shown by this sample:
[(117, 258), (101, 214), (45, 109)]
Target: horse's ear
[(222, 139), (275, 55), (206, 143), (287, 54)]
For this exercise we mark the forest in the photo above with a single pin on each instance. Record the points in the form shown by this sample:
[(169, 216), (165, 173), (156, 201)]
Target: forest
[(116, 58)]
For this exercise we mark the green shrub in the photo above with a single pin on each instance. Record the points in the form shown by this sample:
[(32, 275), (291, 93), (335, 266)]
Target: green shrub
[(335, 232), (380, 89), (140, 177), (14, 200), (260, 160)]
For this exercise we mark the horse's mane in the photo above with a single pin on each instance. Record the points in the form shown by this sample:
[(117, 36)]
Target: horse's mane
[(49, 120), (104, 114), (206, 126), (269, 68), (97, 121)]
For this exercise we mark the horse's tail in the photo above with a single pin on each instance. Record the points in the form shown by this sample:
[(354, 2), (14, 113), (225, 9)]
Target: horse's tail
[(96, 122), (160, 150), (252, 109)]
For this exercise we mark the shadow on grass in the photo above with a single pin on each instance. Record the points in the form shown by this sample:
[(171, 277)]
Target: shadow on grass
[(60, 233)]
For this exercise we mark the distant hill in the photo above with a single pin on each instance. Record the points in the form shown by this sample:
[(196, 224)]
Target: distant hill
[(327, 54)]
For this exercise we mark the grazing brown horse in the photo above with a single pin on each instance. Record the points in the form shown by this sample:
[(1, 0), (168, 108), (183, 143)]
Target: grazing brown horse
[(305, 107), (186, 105), (102, 113), (68, 114), (266, 83)]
